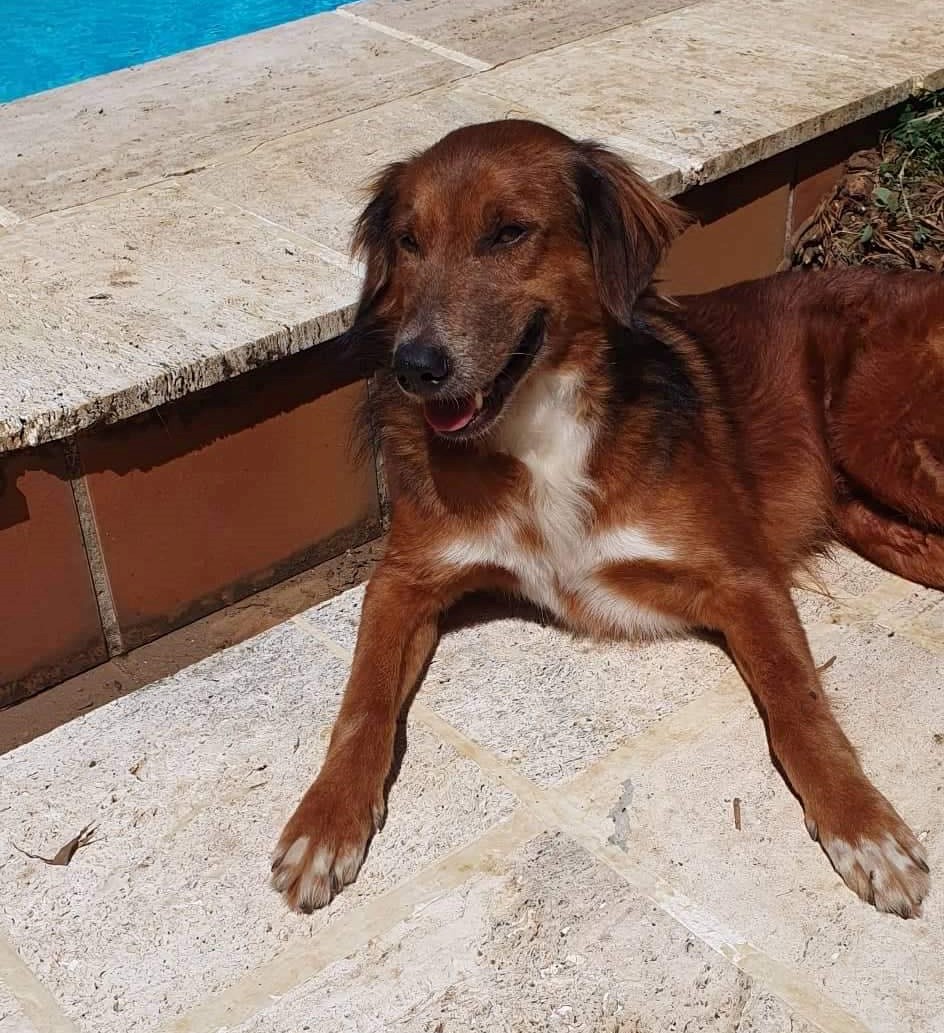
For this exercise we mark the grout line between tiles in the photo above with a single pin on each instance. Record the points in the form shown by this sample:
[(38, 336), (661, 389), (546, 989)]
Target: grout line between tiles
[(890, 590), (928, 640), (682, 726), (797, 991), (315, 632), (94, 553), (34, 1000), (555, 809), (872, 606), (416, 41), (529, 793), (326, 253), (259, 989)]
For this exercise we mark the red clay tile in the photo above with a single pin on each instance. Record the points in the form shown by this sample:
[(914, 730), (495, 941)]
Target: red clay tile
[(48, 612), (738, 232)]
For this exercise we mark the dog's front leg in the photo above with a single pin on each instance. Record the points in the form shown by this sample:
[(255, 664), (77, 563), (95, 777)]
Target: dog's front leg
[(324, 842), (869, 845)]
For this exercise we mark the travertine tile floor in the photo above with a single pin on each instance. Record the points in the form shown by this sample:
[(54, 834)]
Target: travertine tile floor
[(561, 851)]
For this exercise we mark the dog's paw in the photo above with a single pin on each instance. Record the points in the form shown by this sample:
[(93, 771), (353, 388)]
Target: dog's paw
[(878, 857), (322, 848)]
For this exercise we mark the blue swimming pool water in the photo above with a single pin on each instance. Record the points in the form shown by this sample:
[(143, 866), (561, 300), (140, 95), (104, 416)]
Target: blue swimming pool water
[(46, 43)]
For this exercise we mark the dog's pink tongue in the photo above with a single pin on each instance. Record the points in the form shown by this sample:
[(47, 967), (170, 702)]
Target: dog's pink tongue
[(450, 416)]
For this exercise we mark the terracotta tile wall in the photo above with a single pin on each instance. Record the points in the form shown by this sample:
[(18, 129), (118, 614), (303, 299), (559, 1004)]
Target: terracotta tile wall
[(820, 163)]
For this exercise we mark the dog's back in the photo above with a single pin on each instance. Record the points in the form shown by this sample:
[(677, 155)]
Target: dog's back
[(852, 359)]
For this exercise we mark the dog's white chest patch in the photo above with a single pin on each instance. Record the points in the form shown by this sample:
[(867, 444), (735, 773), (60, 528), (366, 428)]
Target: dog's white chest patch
[(544, 432)]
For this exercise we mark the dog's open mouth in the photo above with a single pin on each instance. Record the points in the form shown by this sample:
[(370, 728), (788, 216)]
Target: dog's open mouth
[(468, 416)]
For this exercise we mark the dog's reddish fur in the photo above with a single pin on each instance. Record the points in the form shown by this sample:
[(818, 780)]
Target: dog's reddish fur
[(719, 440)]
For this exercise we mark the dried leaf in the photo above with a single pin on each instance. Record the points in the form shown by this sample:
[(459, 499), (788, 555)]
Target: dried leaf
[(67, 851)]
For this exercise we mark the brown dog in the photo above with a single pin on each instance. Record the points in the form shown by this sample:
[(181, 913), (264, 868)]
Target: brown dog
[(556, 430)]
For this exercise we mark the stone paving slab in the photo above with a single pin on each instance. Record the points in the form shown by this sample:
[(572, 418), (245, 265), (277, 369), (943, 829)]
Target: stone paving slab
[(304, 182), (551, 940), (509, 29), (547, 704), (280, 128), (748, 79), (537, 871), (116, 132)]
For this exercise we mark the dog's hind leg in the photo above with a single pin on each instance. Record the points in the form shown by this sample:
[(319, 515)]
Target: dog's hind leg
[(885, 539), (886, 434), (886, 427)]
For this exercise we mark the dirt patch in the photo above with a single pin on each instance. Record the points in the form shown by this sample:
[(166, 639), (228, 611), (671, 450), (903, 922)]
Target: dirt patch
[(888, 208)]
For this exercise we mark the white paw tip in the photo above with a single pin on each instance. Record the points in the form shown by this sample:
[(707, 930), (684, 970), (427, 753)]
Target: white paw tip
[(295, 852), (882, 872)]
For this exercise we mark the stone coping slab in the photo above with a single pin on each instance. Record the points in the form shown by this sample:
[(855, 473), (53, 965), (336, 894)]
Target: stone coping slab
[(165, 227)]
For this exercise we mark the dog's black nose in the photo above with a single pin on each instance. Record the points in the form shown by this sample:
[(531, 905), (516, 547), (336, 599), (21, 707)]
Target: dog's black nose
[(421, 368)]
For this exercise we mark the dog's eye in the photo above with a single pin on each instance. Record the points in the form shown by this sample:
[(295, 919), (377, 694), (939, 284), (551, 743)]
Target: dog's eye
[(408, 242), (508, 234)]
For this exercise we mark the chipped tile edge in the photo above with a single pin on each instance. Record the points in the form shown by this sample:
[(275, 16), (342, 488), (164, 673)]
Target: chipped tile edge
[(175, 384)]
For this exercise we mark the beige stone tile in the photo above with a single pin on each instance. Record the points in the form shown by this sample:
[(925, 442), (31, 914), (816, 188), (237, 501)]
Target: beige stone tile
[(310, 184), (552, 940), (114, 132), (838, 581), (543, 701), (768, 880), (189, 781), (921, 609), (114, 308), (847, 30), (735, 92), (502, 30)]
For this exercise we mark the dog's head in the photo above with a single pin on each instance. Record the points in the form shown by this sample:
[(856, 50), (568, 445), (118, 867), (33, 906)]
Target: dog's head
[(490, 251)]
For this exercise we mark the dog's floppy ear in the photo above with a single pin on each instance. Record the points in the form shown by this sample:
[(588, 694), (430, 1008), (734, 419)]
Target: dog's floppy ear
[(628, 227), (372, 241)]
